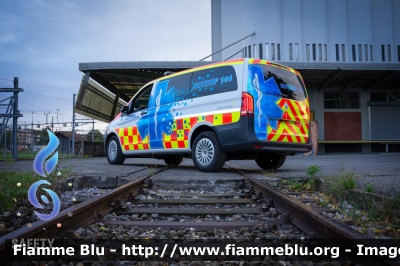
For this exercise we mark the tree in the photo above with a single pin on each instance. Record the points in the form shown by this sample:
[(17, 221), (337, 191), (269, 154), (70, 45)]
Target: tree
[(44, 136), (98, 136)]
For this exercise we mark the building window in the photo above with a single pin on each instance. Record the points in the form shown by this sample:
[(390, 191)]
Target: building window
[(337, 52), (383, 52), (366, 52), (267, 51), (360, 52), (325, 52), (343, 53), (371, 54), (249, 50), (260, 51), (278, 48), (353, 52), (296, 51), (314, 52), (308, 52), (290, 51), (398, 53), (320, 52), (272, 51), (341, 100), (389, 53), (392, 96)]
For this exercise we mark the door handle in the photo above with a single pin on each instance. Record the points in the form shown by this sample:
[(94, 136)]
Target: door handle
[(143, 113)]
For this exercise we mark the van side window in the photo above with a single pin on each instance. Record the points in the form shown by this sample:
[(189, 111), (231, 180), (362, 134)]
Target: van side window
[(177, 89), (142, 101), (212, 81)]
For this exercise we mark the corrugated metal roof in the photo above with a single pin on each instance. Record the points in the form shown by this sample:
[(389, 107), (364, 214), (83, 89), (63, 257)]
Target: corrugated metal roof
[(142, 65), (191, 64), (68, 135)]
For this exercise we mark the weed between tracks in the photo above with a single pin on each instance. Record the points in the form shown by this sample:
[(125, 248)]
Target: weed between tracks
[(368, 213)]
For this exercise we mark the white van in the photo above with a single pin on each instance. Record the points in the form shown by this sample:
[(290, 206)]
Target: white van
[(239, 109)]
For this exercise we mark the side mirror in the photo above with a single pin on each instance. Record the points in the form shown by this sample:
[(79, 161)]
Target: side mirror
[(124, 109)]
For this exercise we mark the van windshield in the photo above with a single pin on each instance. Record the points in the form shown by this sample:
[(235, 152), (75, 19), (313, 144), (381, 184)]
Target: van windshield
[(290, 85)]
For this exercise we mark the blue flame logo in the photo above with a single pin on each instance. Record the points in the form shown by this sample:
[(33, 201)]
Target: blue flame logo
[(32, 198), (40, 170), (43, 154)]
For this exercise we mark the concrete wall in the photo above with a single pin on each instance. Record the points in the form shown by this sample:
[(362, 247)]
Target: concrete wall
[(325, 22)]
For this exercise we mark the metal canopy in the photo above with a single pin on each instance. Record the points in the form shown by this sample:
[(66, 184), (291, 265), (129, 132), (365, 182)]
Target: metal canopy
[(126, 78)]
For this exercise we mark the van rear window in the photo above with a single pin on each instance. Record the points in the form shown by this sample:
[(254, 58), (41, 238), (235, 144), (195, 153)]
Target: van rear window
[(290, 84)]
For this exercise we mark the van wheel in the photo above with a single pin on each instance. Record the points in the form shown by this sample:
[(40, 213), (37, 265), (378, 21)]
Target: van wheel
[(114, 153), (207, 153), (173, 160), (268, 162)]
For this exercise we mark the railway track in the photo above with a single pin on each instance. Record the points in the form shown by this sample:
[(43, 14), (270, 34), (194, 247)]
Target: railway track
[(152, 207)]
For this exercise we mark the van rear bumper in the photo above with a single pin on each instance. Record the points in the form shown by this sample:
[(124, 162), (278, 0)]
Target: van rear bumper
[(239, 139)]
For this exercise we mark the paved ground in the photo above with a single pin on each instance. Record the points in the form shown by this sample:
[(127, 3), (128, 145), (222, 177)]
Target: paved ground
[(381, 170)]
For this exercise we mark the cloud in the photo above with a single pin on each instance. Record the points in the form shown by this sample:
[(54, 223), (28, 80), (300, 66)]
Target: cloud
[(7, 37), (42, 42)]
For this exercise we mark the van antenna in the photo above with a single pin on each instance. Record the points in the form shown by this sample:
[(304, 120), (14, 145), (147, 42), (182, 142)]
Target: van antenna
[(166, 73)]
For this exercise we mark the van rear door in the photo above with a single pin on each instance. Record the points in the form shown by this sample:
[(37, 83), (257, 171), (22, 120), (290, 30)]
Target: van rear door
[(281, 109)]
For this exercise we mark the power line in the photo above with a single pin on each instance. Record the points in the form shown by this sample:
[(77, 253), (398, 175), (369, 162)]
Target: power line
[(34, 105), (6, 79), (6, 85), (9, 86), (48, 96)]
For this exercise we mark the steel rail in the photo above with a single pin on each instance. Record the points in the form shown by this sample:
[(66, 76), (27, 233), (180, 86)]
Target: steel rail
[(83, 213)]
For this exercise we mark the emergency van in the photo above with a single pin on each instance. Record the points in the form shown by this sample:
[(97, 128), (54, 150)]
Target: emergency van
[(240, 109)]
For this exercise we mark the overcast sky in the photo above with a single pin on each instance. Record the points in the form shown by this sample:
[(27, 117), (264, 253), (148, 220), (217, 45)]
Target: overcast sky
[(42, 42)]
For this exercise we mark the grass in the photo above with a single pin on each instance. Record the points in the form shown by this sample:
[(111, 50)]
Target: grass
[(22, 155), (269, 173), (27, 155), (15, 186), (152, 169), (368, 187), (313, 171), (295, 185), (338, 185), (301, 185), (371, 214)]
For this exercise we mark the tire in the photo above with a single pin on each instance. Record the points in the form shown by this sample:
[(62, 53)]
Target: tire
[(269, 162), (173, 160), (207, 153), (114, 153)]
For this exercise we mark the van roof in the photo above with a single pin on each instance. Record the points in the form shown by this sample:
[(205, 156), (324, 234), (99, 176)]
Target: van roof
[(226, 63)]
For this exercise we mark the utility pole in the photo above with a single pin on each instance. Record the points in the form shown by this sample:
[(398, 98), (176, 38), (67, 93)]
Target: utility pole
[(92, 131), (32, 134), (15, 119), (52, 124), (5, 143), (73, 124), (57, 115), (46, 116)]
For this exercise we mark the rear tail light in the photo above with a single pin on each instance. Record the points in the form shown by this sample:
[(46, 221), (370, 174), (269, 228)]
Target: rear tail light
[(247, 105)]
